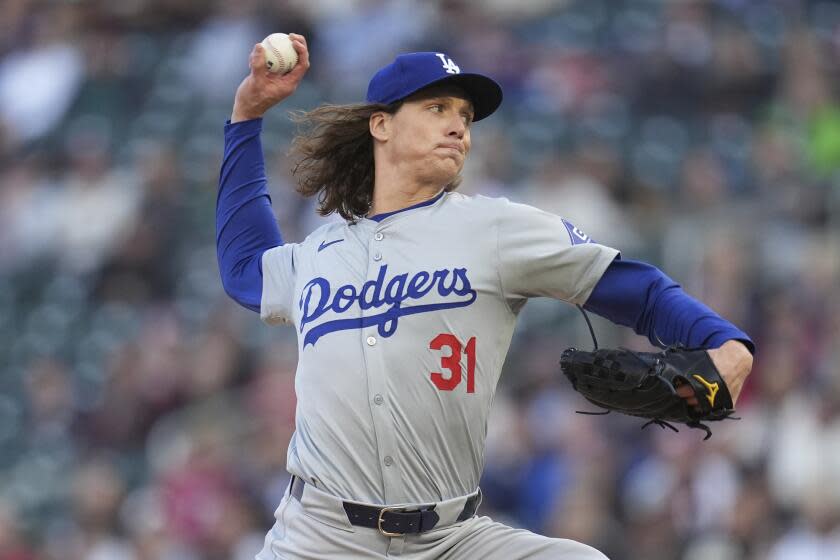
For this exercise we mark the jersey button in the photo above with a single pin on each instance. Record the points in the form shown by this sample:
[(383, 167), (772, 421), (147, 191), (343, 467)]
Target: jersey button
[(371, 340), (377, 256), (378, 399), (388, 461), (378, 236)]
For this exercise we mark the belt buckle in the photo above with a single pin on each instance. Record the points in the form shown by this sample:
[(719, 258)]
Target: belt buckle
[(379, 521)]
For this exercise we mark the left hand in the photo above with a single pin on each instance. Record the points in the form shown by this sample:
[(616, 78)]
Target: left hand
[(734, 363)]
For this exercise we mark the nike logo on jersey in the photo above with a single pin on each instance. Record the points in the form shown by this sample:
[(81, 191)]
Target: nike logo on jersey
[(318, 297), (324, 244)]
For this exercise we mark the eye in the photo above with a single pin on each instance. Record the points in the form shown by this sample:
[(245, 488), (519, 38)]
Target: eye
[(437, 108), (468, 118)]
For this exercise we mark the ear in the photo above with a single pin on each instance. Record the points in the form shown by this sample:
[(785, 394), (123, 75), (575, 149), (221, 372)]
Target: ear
[(380, 125)]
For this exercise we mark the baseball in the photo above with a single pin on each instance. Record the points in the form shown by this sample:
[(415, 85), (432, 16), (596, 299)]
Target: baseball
[(280, 55)]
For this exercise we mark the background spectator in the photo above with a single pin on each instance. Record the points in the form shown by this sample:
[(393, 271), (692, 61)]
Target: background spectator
[(144, 416)]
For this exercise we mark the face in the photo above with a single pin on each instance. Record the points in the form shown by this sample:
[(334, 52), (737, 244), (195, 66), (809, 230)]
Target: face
[(429, 136)]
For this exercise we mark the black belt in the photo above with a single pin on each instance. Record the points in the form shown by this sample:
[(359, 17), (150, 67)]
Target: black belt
[(393, 521)]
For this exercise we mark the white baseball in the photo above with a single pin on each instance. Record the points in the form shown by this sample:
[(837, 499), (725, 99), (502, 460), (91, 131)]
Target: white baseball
[(280, 55)]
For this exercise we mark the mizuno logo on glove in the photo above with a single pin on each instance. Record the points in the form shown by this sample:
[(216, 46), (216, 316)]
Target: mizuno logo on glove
[(712, 387)]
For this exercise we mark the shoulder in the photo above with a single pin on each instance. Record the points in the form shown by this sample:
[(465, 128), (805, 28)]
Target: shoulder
[(518, 220), (325, 231), (500, 206), (311, 241), (487, 203)]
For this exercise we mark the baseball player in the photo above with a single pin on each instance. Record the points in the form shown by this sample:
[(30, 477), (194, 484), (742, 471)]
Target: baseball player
[(404, 311)]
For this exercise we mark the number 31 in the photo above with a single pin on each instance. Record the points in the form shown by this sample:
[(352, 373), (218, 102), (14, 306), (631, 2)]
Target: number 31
[(452, 362)]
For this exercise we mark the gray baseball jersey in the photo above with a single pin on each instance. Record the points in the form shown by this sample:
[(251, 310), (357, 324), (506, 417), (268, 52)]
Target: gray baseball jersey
[(403, 326)]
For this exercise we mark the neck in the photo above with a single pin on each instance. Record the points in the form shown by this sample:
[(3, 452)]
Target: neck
[(392, 193)]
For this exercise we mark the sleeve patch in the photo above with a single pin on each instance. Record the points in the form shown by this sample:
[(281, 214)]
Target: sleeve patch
[(576, 236)]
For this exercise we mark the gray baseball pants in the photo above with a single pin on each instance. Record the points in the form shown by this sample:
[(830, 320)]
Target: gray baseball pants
[(317, 528)]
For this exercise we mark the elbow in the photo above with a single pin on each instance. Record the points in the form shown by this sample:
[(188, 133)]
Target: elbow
[(229, 285), (242, 282)]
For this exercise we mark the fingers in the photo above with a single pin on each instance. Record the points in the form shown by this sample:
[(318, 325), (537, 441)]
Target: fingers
[(687, 393), (299, 44), (256, 60), (298, 38)]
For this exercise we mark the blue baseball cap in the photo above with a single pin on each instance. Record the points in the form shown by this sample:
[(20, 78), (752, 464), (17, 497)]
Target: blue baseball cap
[(411, 72)]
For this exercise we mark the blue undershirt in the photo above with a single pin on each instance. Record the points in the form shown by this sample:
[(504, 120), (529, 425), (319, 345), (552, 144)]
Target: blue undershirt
[(629, 293), (642, 297)]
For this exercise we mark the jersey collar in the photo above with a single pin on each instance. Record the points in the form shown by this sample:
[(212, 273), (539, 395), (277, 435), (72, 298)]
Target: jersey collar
[(380, 217)]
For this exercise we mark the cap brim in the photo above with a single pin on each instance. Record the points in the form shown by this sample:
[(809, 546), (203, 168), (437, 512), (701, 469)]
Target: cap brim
[(484, 92)]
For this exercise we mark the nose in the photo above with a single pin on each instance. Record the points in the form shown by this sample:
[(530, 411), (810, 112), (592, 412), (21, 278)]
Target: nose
[(457, 128)]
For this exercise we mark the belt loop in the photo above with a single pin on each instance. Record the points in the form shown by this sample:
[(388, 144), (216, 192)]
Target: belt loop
[(296, 488), (470, 507), (396, 546)]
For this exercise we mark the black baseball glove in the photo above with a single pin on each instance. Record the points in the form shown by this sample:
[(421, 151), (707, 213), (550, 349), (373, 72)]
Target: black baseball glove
[(645, 384)]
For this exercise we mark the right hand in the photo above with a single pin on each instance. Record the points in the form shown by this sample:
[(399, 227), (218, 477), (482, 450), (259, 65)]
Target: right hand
[(261, 90)]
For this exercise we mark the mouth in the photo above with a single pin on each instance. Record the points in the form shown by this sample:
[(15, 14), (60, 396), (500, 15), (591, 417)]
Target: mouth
[(455, 147)]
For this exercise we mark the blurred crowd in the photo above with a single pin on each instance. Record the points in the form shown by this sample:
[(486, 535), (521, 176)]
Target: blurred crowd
[(145, 416)]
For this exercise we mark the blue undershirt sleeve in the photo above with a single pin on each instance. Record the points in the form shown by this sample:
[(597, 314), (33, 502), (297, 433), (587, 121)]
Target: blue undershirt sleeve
[(245, 223), (640, 296)]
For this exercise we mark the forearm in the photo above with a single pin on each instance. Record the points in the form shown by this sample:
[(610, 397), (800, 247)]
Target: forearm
[(247, 111), (640, 296), (245, 223)]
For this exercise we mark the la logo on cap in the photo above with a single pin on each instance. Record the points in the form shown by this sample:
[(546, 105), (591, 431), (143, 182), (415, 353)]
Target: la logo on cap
[(448, 64)]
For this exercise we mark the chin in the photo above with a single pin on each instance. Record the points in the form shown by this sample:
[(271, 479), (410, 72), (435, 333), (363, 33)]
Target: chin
[(437, 169), (447, 172)]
